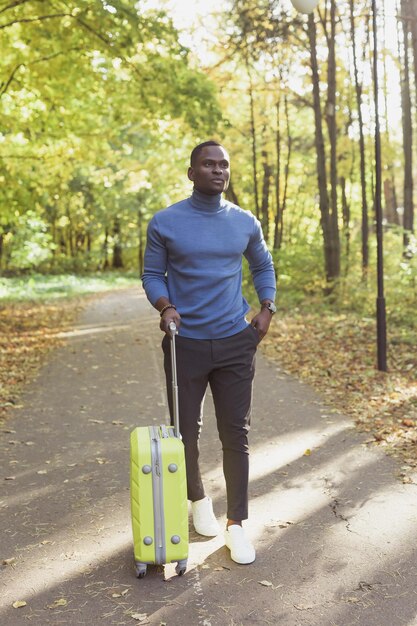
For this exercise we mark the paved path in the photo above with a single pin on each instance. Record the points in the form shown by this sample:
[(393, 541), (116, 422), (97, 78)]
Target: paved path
[(336, 533)]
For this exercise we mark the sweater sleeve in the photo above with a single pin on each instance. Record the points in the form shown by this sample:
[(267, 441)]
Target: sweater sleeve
[(155, 264), (261, 264)]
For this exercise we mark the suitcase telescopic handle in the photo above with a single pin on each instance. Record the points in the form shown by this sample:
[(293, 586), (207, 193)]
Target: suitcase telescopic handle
[(174, 331)]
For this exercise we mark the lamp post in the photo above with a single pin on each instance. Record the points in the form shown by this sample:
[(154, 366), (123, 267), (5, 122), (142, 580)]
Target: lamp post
[(380, 301)]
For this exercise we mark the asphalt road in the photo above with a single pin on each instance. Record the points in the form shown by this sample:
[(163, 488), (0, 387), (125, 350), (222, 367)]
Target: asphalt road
[(335, 530)]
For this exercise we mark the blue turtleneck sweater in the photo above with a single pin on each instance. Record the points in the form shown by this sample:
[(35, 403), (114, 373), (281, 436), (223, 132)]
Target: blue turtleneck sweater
[(193, 257)]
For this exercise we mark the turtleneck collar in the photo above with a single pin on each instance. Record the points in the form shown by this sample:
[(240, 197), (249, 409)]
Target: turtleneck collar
[(204, 202)]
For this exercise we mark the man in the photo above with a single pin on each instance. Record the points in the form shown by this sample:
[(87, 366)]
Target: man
[(193, 277)]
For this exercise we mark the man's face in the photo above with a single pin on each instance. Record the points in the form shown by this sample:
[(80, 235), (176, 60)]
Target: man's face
[(210, 172)]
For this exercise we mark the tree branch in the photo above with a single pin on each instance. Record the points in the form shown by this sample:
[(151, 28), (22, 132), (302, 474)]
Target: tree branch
[(28, 20), (15, 4), (5, 86)]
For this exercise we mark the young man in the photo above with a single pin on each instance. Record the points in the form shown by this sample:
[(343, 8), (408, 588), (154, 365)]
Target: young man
[(193, 277)]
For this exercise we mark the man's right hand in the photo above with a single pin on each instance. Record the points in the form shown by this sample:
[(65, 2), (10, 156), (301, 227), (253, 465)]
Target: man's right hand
[(170, 315)]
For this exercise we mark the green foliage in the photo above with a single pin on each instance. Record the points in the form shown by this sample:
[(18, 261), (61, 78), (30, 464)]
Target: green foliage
[(31, 244), (91, 95)]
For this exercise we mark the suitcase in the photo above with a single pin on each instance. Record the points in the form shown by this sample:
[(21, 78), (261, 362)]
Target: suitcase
[(158, 490)]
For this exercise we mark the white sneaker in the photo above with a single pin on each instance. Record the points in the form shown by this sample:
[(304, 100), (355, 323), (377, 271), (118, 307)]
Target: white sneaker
[(204, 520), (241, 549)]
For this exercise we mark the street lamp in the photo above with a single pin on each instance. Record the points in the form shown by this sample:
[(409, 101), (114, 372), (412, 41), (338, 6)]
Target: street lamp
[(305, 6), (380, 301)]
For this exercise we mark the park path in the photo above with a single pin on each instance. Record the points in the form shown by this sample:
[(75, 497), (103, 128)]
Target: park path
[(335, 531)]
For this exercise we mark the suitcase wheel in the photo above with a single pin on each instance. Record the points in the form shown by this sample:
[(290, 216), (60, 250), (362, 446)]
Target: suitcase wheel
[(140, 569), (181, 567)]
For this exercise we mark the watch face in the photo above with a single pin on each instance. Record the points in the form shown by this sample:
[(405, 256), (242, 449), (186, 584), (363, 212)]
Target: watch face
[(271, 307)]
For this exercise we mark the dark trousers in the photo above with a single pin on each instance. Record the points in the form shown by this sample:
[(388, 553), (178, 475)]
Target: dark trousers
[(228, 366)]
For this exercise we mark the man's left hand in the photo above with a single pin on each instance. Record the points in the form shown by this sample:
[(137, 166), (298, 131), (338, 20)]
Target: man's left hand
[(261, 322)]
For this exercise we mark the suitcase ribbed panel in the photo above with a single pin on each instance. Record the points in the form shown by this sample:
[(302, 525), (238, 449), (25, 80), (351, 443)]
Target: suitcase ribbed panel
[(175, 498), (141, 493)]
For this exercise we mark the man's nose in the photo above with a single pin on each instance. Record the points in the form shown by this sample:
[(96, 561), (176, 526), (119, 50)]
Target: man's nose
[(217, 168)]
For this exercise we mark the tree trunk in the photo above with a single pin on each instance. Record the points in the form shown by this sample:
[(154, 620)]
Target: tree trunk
[(267, 174), (117, 245), (332, 130), (106, 249), (231, 195), (358, 91), (408, 220), (332, 267), (278, 216), (253, 141), (346, 220), (140, 237), (391, 204), (282, 205)]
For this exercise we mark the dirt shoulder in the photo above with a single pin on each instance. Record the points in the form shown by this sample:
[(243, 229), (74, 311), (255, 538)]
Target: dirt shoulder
[(28, 332)]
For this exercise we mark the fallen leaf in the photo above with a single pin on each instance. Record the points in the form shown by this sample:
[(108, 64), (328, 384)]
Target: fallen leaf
[(307, 452), (10, 478), (57, 603), (9, 561), (29, 443), (19, 604), (265, 583), (97, 421), (42, 472), (140, 617)]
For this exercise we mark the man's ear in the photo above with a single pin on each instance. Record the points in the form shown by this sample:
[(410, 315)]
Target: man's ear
[(190, 174)]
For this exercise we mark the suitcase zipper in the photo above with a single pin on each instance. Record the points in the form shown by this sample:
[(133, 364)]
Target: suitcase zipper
[(158, 497)]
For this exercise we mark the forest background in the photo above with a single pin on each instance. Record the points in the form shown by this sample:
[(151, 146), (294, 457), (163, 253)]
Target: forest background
[(101, 104)]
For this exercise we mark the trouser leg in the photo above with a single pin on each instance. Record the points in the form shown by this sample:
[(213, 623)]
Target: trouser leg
[(231, 385), (192, 377)]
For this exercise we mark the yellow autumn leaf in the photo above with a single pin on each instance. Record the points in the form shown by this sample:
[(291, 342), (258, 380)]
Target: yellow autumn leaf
[(56, 603), (307, 452), (19, 604)]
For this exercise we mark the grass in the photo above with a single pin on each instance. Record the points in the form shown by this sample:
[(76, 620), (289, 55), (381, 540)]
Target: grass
[(41, 288)]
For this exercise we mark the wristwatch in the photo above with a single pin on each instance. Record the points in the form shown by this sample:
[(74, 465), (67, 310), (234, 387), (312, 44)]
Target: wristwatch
[(270, 306)]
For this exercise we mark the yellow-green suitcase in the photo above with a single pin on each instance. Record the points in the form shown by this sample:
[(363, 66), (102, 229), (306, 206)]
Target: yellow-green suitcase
[(158, 490)]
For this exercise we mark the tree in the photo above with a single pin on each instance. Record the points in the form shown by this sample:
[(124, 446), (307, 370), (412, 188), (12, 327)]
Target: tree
[(331, 243)]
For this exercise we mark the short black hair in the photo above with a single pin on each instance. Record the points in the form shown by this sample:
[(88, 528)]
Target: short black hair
[(196, 151)]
